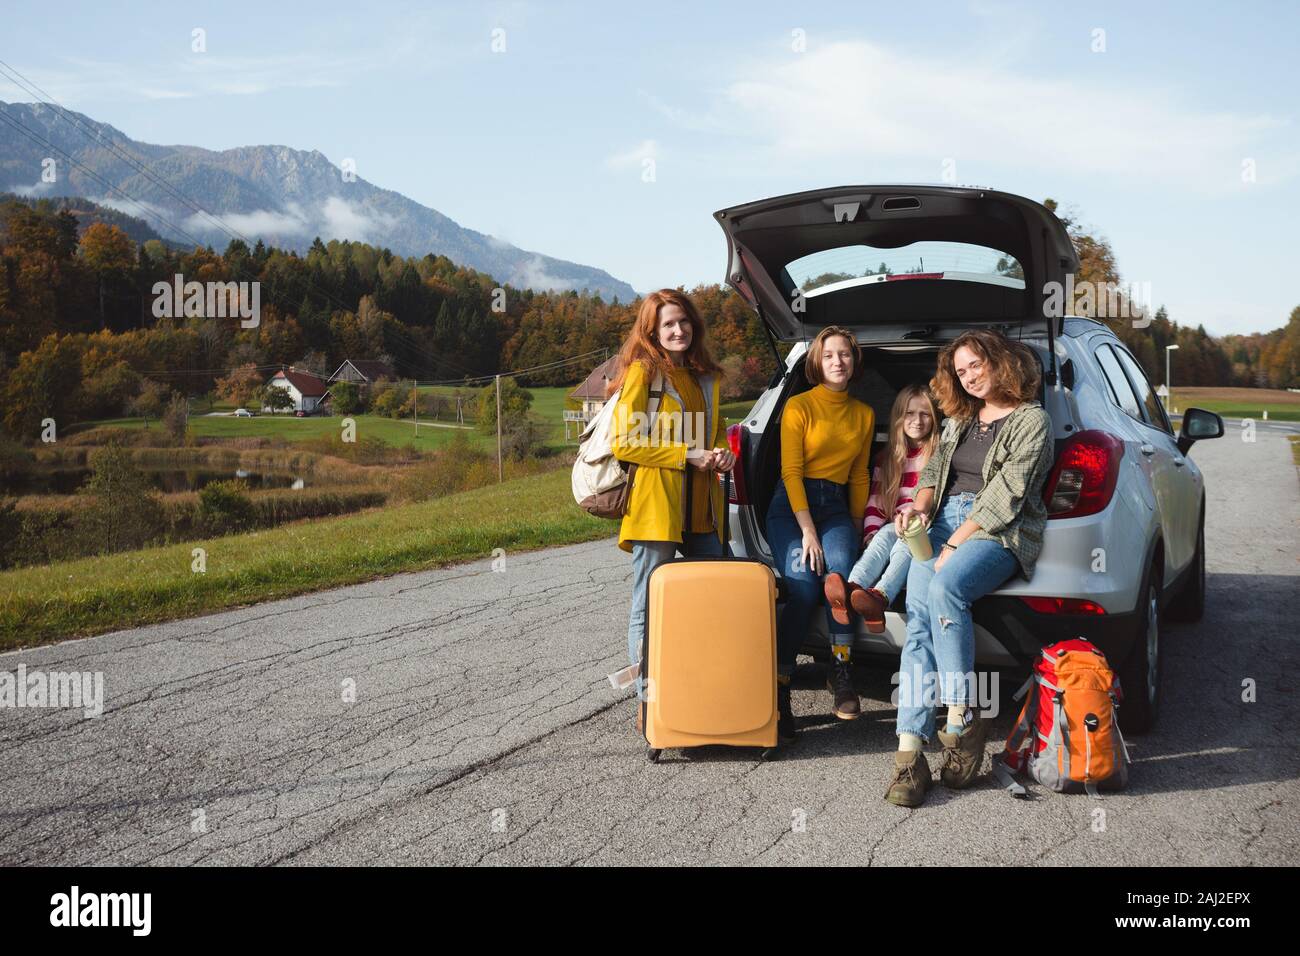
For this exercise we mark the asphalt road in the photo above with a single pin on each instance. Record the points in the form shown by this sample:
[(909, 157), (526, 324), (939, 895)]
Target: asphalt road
[(484, 731)]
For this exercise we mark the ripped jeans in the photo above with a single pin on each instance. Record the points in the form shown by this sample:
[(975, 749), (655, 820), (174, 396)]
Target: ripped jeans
[(940, 631)]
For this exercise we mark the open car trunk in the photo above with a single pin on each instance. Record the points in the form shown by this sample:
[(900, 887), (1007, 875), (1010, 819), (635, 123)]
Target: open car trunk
[(886, 370), (808, 260)]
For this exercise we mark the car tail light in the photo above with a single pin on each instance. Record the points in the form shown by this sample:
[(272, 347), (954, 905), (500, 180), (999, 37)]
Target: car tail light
[(913, 275), (1055, 605), (1083, 479), (738, 439)]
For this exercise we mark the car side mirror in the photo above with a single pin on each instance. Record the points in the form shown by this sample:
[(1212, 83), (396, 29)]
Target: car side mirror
[(1198, 424)]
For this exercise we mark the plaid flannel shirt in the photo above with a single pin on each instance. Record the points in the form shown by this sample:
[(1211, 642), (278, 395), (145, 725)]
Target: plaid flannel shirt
[(1009, 508)]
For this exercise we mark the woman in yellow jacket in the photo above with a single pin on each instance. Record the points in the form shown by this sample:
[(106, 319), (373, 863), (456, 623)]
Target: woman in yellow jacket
[(685, 442)]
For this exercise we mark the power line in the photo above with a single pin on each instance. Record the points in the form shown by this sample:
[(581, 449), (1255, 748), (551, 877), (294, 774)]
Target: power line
[(584, 357), (41, 141)]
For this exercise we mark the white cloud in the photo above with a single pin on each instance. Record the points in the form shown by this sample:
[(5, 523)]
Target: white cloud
[(38, 188), (344, 220), (858, 101), (647, 149), (286, 222), (533, 275)]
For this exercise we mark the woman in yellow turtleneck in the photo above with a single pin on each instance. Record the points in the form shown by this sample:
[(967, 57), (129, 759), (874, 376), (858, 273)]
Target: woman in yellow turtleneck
[(814, 523)]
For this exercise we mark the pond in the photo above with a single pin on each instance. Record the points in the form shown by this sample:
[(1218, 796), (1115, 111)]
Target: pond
[(67, 481)]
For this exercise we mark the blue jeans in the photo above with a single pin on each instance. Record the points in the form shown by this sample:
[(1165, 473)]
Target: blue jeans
[(940, 632), (840, 541), (884, 564), (648, 555)]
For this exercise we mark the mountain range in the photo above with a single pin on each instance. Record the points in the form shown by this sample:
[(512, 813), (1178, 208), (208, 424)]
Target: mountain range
[(283, 196)]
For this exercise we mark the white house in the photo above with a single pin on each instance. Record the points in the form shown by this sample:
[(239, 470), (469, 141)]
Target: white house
[(306, 389), (592, 395)]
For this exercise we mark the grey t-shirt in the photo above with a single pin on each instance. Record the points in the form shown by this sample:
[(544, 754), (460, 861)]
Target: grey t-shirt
[(966, 472)]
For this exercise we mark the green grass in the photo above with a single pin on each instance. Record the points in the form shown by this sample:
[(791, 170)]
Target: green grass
[(89, 596), (1237, 403), (547, 409), (735, 412), (291, 429), (1235, 410)]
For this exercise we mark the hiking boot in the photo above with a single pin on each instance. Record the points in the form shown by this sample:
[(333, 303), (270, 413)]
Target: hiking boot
[(911, 779), (963, 753), (839, 681), (837, 596), (871, 604), (785, 714)]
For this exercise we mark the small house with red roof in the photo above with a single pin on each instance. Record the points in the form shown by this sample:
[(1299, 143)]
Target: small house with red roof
[(306, 390)]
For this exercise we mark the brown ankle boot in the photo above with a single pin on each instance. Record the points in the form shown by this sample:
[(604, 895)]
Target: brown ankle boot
[(871, 604), (837, 596), (839, 681), (911, 780)]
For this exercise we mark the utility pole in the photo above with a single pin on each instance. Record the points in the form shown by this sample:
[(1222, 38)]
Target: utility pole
[(500, 469), (1168, 385)]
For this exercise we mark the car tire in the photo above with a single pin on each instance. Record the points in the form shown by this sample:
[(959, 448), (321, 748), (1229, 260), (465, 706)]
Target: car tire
[(1189, 606), (1140, 676)]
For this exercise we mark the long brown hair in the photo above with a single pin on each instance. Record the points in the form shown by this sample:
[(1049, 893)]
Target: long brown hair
[(893, 457), (1013, 372), (641, 345)]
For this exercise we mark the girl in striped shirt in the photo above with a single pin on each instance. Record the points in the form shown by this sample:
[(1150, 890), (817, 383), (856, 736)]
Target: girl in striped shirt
[(881, 572)]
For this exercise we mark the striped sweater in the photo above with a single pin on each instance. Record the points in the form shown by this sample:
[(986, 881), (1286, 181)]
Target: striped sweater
[(875, 517)]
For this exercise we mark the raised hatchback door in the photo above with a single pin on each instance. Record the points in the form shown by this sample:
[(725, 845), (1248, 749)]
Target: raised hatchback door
[(887, 259)]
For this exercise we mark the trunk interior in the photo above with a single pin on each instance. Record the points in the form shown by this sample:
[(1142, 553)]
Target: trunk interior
[(886, 371)]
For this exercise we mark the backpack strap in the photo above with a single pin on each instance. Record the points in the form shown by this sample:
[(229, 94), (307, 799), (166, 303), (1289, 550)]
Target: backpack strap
[(1002, 773), (1060, 733)]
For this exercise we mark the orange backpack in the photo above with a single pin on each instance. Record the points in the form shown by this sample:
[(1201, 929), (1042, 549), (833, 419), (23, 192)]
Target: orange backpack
[(1067, 736)]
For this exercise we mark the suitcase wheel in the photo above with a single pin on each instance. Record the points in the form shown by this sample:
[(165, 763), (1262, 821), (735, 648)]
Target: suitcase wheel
[(653, 754)]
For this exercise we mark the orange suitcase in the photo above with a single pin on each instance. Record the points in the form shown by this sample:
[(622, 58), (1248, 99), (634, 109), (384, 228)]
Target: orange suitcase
[(708, 658)]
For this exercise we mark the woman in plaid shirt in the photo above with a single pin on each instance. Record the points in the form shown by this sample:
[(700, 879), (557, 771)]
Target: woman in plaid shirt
[(987, 477)]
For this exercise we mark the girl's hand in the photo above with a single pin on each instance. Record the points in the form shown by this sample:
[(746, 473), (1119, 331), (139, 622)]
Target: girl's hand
[(811, 553), (723, 459)]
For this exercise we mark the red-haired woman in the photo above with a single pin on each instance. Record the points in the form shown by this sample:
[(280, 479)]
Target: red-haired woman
[(677, 454)]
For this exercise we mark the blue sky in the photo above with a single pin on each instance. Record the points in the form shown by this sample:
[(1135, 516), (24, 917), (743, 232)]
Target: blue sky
[(544, 144)]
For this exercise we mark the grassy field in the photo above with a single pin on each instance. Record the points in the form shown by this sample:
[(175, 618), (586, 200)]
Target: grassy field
[(76, 598), (1241, 402), (291, 429), (547, 410)]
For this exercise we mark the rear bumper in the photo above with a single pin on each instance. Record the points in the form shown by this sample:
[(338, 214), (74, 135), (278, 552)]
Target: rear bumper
[(1008, 633)]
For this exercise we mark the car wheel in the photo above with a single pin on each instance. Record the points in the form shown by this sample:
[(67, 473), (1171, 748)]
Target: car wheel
[(1190, 604), (1140, 676)]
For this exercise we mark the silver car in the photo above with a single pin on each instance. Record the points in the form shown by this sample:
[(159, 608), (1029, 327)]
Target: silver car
[(907, 269)]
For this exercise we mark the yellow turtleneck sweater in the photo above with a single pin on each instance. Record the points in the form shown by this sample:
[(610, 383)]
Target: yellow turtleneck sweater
[(827, 434)]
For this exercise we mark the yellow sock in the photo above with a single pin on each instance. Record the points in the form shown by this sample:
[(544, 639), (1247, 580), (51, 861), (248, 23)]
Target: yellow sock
[(908, 743)]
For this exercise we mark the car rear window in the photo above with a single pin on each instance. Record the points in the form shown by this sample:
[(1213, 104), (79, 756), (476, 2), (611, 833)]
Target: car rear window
[(838, 267)]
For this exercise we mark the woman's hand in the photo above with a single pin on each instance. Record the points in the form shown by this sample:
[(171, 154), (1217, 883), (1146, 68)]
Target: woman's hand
[(943, 556), (903, 517), (811, 553), (701, 458), (723, 459)]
